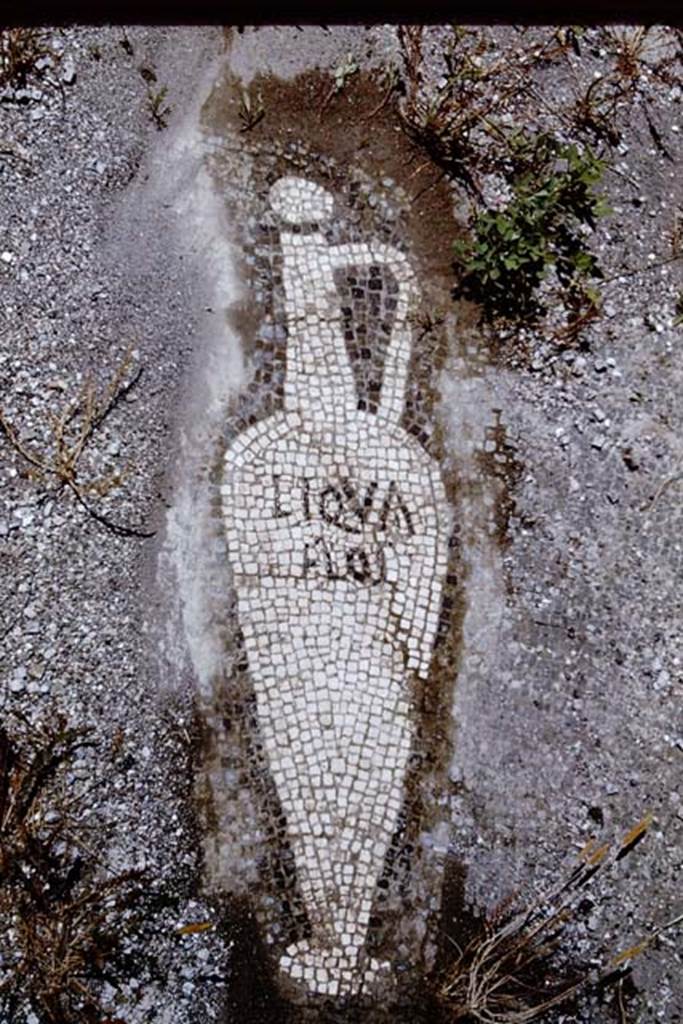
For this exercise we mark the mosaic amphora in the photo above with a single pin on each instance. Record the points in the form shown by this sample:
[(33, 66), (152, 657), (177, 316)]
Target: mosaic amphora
[(337, 526)]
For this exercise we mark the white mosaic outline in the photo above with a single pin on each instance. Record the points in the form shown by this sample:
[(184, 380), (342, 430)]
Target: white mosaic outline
[(337, 526)]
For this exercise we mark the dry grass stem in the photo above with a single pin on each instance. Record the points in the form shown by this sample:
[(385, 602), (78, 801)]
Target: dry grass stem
[(71, 431), (64, 917), (509, 973), (20, 49)]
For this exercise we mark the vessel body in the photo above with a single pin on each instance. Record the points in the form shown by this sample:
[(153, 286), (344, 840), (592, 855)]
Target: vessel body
[(337, 525)]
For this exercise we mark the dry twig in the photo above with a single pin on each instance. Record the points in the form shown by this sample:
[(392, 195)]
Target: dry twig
[(71, 431)]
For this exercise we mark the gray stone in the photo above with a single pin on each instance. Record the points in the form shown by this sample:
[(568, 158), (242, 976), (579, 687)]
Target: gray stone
[(68, 71), (17, 681)]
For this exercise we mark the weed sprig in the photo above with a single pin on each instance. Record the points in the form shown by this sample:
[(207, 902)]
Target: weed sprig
[(155, 103), (251, 110)]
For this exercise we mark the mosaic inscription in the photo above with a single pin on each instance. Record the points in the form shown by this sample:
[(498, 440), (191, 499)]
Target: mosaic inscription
[(337, 528)]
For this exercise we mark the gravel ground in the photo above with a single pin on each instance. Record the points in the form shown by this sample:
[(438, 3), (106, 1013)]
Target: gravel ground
[(86, 278), (569, 462)]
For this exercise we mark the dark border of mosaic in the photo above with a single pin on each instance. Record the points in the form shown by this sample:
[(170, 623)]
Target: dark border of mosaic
[(408, 896)]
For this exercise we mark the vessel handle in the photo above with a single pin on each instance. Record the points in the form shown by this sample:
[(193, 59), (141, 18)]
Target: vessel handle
[(392, 396)]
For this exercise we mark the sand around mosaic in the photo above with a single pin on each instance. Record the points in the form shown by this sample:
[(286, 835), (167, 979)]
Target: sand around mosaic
[(337, 526)]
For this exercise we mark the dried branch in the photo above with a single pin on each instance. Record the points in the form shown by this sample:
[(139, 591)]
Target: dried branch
[(71, 431)]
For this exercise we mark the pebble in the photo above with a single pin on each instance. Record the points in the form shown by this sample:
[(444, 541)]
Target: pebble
[(69, 72), (662, 680), (17, 683)]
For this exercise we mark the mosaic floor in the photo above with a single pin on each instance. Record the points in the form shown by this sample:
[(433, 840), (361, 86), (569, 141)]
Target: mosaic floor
[(337, 527)]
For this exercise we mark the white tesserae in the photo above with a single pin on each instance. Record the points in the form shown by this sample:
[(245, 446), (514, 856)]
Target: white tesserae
[(337, 525)]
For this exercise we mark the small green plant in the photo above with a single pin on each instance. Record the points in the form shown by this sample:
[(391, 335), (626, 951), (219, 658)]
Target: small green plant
[(511, 250), (251, 111), (155, 102), (342, 73)]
